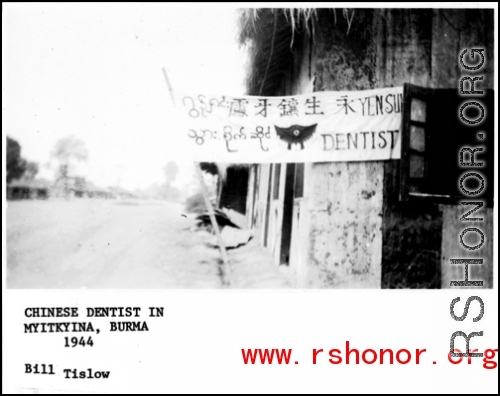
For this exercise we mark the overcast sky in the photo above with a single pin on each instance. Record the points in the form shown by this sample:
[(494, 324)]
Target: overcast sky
[(94, 71)]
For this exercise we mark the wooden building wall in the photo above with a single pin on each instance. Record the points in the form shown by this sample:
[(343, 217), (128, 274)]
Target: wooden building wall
[(349, 227)]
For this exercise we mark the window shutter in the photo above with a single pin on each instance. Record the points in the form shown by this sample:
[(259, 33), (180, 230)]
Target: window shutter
[(431, 140), (414, 143)]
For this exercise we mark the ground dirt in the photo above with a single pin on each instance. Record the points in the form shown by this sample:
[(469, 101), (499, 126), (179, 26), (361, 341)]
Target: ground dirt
[(123, 244)]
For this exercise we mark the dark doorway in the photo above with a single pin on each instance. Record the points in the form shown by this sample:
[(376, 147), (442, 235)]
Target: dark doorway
[(268, 204), (256, 177), (286, 230), (234, 190)]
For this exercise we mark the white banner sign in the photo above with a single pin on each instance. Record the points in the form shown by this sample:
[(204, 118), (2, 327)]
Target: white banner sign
[(319, 127)]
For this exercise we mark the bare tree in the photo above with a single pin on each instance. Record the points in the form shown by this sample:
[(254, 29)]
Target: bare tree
[(67, 152)]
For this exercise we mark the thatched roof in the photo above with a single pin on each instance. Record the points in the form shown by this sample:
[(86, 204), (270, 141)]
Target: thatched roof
[(30, 183), (273, 36)]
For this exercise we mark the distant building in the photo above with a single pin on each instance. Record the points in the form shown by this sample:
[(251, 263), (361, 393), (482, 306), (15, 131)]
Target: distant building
[(28, 189), (73, 187)]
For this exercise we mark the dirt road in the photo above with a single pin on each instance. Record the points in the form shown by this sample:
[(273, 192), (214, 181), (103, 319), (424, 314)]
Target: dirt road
[(119, 244)]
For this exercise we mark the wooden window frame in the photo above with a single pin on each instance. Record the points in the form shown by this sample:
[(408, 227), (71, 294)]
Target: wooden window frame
[(410, 93)]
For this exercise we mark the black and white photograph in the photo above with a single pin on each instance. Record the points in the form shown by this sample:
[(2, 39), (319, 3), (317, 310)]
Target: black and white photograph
[(101, 192), (177, 148)]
